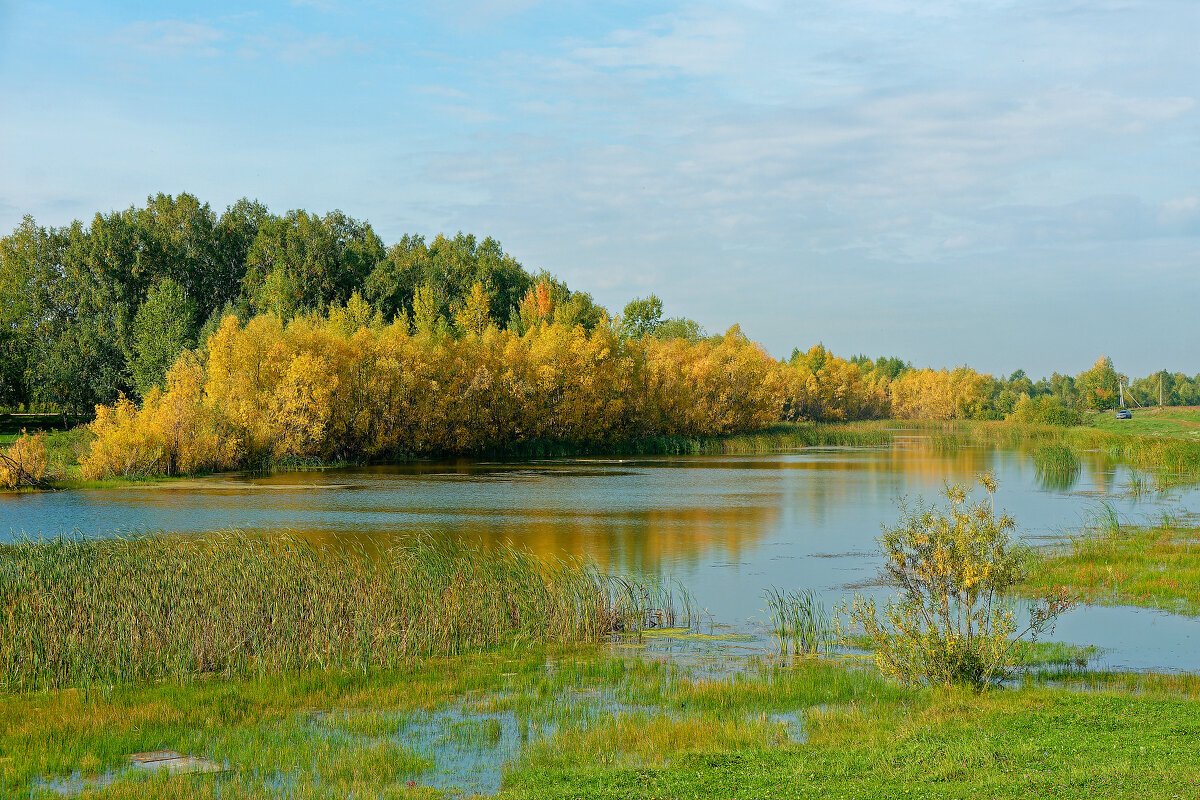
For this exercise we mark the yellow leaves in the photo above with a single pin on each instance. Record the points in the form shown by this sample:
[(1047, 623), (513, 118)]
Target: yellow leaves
[(821, 386), (475, 315), (357, 314), (347, 386), (301, 407), (24, 463), (937, 394)]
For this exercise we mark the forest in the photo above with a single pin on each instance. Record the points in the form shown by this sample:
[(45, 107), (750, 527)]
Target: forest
[(195, 341)]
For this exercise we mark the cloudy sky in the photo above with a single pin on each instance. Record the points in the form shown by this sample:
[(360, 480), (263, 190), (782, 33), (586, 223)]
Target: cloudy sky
[(1005, 183)]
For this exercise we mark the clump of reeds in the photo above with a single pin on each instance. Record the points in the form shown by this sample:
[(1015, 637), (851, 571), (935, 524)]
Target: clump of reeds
[(79, 612), (1057, 466), (799, 621)]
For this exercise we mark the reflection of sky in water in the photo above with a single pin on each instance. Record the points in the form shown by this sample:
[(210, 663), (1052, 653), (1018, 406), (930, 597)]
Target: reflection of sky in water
[(727, 526)]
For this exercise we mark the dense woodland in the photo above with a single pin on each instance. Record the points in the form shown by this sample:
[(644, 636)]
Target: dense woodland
[(305, 336)]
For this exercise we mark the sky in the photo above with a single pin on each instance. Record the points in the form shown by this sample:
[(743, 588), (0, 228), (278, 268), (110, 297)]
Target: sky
[(1001, 183)]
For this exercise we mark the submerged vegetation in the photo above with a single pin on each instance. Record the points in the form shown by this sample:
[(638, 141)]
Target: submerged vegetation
[(77, 612)]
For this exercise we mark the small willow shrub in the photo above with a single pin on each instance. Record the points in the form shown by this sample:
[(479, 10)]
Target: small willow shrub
[(951, 622)]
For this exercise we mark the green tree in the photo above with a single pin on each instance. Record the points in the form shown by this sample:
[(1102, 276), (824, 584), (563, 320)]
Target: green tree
[(641, 317), (1099, 386), (304, 262), (164, 327), (29, 258)]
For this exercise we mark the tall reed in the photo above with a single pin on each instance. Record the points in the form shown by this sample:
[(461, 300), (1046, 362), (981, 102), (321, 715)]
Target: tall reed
[(798, 620), (81, 612)]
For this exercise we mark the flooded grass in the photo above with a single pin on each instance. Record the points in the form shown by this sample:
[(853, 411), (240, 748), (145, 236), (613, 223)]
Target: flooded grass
[(88, 612), (581, 722), (1151, 566), (799, 622), (1172, 461)]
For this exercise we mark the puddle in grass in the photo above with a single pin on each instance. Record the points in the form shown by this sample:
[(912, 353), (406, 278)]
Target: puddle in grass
[(141, 764), (470, 749)]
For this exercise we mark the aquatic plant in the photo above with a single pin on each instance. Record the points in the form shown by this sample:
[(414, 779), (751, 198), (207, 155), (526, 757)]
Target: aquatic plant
[(1057, 466), (78, 612), (798, 620)]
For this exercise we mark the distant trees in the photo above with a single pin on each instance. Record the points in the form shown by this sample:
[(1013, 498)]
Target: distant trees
[(91, 313)]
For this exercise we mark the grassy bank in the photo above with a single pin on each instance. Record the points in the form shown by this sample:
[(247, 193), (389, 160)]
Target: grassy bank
[(1175, 422), (1153, 566), (579, 723), (111, 611)]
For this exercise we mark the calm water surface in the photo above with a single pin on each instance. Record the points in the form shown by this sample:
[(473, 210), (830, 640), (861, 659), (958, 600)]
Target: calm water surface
[(726, 526)]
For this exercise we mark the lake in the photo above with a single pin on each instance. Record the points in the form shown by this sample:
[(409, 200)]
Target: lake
[(727, 527)]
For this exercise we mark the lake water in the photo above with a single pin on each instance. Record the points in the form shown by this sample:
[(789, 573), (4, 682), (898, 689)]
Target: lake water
[(726, 526)]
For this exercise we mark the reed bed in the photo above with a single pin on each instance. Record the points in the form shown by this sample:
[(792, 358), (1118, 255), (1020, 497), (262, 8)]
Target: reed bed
[(76, 612), (776, 438), (1057, 466)]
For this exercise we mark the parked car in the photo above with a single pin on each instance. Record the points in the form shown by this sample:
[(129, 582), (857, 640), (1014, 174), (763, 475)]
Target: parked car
[(1124, 413)]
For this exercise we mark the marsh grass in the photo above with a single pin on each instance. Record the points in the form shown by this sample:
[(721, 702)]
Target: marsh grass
[(1153, 566), (799, 622), (1057, 466), (86, 612), (575, 722)]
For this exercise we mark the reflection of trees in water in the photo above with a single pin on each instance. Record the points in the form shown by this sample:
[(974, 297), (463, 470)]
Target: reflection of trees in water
[(644, 540), (641, 541), (729, 523)]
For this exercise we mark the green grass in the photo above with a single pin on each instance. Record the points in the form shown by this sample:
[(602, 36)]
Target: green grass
[(1179, 423), (591, 725), (1155, 566)]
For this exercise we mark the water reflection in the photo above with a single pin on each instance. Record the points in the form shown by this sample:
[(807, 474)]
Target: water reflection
[(727, 526)]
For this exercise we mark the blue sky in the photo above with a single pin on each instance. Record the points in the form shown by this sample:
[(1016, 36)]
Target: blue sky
[(1001, 183)]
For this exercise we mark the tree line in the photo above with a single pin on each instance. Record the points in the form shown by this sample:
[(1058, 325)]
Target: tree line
[(156, 317), (91, 313)]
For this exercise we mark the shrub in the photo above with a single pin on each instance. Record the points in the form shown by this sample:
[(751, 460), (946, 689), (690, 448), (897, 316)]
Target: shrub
[(24, 462), (951, 623), (1044, 410)]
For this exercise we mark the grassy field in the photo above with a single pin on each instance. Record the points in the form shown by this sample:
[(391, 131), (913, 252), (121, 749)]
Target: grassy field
[(1176, 422)]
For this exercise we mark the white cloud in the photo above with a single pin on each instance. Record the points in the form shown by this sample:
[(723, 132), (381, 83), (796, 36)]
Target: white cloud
[(203, 39), (174, 37)]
